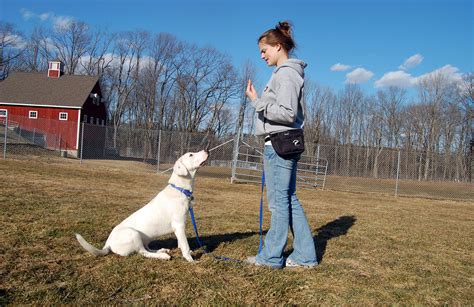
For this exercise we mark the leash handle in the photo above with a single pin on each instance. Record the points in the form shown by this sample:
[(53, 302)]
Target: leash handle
[(260, 246)]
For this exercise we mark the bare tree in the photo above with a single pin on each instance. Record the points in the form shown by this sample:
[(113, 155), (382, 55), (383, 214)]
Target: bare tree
[(432, 94), (71, 43), (391, 101), (122, 81), (350, 103), (248, 72), (10, 47), (34, 56), (319, 102), (95, 61), (203, 86)]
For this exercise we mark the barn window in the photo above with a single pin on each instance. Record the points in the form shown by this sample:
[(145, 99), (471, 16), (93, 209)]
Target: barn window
[(95, 98), (33, 114), (62, 116), (85, 118), (3, 112)]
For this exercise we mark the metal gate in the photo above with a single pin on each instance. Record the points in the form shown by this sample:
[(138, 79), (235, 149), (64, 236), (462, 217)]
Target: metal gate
[(248, 166)]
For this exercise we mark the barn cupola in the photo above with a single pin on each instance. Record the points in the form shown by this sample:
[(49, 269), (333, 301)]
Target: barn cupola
[(55, 69)]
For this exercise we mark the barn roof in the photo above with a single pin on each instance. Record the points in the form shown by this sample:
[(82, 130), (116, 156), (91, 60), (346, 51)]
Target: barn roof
[(38, 89)]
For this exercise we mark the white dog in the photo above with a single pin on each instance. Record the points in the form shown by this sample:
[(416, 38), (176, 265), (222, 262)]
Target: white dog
[(164, 214)]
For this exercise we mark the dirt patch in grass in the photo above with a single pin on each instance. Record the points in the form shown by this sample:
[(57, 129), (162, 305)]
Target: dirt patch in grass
[(372, 249)]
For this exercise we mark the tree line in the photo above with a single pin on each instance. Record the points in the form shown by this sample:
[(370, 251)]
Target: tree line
[(156, 81)]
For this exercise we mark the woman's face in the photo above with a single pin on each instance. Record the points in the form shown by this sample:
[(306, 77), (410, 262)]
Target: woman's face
[(271, 54)]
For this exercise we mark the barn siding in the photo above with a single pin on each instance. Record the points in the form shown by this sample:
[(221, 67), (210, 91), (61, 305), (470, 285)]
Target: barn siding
[(57, 134)]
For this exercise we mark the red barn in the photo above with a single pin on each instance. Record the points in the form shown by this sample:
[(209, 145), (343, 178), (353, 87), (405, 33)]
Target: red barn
[(52, 106)]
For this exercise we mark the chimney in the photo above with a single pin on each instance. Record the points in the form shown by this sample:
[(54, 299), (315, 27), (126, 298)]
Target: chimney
[(55, 69)]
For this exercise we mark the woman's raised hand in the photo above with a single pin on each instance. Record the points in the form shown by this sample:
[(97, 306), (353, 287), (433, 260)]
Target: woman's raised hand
[(251, 92)]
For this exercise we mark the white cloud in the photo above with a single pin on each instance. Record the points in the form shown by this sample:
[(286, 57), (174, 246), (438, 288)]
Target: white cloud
[(15, 41), (59, 22), (339, 67), (359, 75), (49, 44), (27, 15), (403, 79), (396, 78), (451, 73), (411, 62), (62, 22), (44, 16)]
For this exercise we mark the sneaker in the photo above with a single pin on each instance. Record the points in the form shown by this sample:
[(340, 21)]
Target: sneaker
[(291, 264), (252, 260)]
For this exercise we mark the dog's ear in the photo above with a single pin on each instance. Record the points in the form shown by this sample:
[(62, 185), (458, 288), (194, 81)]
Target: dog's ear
[(180, 169)]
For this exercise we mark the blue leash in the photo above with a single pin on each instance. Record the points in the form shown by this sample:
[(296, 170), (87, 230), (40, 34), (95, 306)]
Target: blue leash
[(191, 212), (222, 258), (193, 220), (260, 246)]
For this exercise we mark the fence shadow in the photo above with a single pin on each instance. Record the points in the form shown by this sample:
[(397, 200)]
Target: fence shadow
[(333, 229)]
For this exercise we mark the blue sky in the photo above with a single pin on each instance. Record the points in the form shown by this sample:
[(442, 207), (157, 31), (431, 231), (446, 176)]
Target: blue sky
[(375, 43)]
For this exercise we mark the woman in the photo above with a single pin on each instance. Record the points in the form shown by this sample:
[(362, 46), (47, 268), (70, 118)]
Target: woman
[(280, 108)]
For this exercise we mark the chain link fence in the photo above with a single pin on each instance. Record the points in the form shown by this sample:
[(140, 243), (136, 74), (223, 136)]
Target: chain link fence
[(349, 168)]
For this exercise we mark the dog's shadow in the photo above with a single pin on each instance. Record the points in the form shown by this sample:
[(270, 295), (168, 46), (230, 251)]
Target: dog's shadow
[(210, 242), (333, 229)]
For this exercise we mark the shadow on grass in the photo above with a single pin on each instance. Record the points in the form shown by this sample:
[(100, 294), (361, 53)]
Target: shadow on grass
[(333, 229), (210, 242)]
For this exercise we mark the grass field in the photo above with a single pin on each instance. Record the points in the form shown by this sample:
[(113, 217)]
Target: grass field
[(373, 249)]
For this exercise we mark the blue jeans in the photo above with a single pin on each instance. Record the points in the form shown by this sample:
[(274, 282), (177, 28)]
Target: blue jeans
[(286, 211)]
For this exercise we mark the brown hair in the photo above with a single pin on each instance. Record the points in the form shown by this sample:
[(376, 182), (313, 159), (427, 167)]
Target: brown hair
[(281, 34)]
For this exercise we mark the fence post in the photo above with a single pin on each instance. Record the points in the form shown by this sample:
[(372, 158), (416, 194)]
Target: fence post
[(82, 141), (5, 138), (158, 152), (398, 173), (235, 156), (317, 166)]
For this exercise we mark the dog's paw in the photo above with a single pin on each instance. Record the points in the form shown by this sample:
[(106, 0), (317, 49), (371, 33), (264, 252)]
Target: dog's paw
[(163, 250), (189, 258), (165, 256)]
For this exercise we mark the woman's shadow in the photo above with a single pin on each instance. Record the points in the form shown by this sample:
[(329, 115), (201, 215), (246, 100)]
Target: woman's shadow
[(333, 229)]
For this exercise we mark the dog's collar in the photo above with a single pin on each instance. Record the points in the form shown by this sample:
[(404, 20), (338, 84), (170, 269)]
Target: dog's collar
[(188, 193)]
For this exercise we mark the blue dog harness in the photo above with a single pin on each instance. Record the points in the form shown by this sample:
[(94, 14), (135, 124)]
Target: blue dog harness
[(188, 193)]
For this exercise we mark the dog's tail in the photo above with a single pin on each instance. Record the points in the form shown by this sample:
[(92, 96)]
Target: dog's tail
[(90, 248)]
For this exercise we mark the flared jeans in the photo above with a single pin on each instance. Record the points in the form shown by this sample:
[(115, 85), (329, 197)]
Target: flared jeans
[(286, 213)]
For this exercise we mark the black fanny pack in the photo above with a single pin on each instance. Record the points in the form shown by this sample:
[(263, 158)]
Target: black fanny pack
[(288, 143)]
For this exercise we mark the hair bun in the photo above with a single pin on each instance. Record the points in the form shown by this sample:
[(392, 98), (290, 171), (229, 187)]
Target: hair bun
[(284, 27), (280, 34)]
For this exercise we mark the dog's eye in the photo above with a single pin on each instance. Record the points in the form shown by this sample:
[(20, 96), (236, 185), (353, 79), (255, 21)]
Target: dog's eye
[(190, 155)]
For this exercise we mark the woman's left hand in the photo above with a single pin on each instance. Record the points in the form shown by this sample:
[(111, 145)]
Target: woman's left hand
[(251, 92)]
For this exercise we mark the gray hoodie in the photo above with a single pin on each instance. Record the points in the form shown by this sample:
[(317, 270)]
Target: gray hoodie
[(281, 105)]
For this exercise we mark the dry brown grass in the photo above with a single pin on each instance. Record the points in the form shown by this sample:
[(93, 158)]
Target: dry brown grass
[(373, 248)]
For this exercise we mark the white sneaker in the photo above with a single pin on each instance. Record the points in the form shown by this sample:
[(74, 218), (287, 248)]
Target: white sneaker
[(252, 260), (291, 264)]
